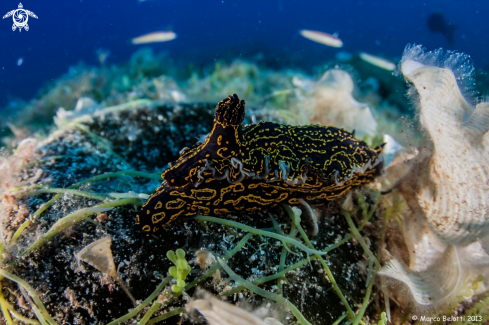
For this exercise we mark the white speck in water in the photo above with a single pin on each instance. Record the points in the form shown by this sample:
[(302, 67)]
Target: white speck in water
[(20, 61)]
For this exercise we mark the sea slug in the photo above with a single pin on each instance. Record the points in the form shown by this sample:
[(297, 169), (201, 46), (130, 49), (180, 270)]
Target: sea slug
[(240, 168)]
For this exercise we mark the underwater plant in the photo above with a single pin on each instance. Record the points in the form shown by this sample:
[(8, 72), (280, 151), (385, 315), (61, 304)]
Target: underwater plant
[(180, 271)]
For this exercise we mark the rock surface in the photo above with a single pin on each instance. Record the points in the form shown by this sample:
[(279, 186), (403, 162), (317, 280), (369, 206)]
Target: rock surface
[(145, 138)]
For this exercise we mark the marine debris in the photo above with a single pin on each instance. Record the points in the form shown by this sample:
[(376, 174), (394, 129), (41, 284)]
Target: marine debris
[(99, 255)]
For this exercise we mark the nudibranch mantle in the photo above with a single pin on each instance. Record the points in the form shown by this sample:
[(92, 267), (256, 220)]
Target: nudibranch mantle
[(249, 167)]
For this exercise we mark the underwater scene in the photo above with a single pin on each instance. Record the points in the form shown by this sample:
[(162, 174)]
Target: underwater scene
[(232, 162)]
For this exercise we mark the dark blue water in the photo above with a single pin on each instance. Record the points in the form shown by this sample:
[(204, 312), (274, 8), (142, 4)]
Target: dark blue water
[(68, 32)]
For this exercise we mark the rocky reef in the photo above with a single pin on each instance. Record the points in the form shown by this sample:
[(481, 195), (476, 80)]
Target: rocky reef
[(412, 242), (89, 168)]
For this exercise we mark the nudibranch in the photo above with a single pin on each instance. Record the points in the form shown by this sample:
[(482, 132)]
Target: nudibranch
[(242, 168)]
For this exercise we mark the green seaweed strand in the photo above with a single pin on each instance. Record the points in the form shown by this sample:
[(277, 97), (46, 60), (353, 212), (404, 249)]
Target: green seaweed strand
[(213, 268), (36, 310), (360, 228), (44, 313), (155, 176), (255, 231), (4, 305), (323, 263), (339, 319), (169, 314), (360, 239), (361, 312), (98, 140), (156, 305), (19, 317), (15, 314), (136, 310), (278, 275), (91, 195), (48, 204), (74, 218), (268, 295), (283, 257), (344, 240), (20, 230)]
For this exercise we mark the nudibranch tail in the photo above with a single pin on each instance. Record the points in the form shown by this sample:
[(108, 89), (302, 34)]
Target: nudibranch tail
[(258, 166)]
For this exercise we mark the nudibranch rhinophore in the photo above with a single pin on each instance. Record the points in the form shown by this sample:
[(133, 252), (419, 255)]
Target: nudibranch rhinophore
[(242, 168)]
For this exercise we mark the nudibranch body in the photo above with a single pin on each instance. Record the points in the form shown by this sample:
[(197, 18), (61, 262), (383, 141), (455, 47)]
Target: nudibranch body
[(245, 168)]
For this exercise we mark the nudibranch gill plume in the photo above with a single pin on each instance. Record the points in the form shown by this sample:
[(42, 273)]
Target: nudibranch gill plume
[(243, 168)]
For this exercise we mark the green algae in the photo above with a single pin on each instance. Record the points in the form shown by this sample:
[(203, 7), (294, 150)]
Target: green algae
[(38, 308), (179, 271), (124, 86), (264, 293), (296, 262), (246, 284)]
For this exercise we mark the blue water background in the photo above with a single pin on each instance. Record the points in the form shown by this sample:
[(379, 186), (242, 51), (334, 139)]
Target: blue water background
[(68, 32)]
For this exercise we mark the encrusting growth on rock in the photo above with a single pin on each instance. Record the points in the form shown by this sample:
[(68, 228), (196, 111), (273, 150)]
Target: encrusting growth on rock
[(249, 167), (446, 229), (450, 188)]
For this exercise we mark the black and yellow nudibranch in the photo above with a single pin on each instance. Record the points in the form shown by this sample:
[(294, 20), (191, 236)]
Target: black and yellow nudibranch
[(249, 167)]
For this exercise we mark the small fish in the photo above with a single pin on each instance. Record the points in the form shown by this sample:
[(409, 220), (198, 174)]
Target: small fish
[(323, 38), (163, 36), (437, 24), (102, 55), (377, 61)]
